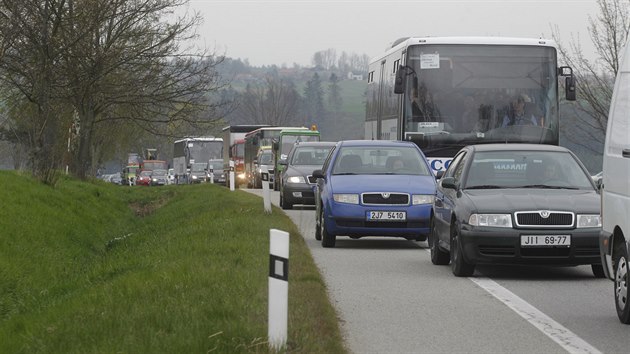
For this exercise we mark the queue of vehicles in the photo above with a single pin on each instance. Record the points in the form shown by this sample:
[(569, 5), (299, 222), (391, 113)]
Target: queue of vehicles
[(477, 185)]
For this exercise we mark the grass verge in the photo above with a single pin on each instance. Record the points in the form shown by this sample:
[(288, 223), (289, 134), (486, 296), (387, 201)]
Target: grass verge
[(92, 267)]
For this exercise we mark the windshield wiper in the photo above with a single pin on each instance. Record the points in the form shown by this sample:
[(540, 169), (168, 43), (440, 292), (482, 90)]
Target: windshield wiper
[(546, 186), (485, 186), (344, 174)]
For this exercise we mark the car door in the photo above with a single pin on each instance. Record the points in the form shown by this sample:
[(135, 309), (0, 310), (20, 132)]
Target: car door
[(445, 198), (321, 184)]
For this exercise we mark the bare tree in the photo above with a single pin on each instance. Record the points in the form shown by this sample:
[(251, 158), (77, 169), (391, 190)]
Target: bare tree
[(112, 62), (129, 67), (31, 48), (608, 31), (274, 102), (325, 58)]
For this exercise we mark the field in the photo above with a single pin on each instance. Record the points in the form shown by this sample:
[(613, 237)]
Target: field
[(91, 267)]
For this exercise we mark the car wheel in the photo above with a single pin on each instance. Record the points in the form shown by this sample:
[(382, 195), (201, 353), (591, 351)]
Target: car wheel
[(459, 266), (318, 230), (621, 285), (598, 270), (438, 257), (328, 240)]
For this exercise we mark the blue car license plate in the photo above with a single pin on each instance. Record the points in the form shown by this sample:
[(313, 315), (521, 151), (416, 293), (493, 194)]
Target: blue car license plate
[(386, 216)]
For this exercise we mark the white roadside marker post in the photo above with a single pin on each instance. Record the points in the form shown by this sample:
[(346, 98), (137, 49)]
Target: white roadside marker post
[(278, 288), (212, 175), (232, 175), (264, 176)]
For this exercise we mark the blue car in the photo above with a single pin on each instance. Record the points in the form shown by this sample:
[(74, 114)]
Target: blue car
[(374, 188)]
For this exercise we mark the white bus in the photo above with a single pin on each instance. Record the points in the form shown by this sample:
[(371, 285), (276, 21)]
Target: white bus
[(467, 90), (187, 151)]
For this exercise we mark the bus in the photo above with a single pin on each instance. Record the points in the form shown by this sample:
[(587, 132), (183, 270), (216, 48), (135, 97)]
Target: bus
[(187, 151), (267, 136), (447, 92)]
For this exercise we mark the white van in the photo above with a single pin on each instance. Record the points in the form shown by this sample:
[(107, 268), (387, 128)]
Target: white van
[(615, 192)]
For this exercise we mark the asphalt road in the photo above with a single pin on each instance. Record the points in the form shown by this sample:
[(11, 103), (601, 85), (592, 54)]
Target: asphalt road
[(391, 299)]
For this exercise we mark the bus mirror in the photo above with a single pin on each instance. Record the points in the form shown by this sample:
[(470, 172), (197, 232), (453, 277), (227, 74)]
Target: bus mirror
[(401, 80), (569, 87), (569, 82), (565, 71)]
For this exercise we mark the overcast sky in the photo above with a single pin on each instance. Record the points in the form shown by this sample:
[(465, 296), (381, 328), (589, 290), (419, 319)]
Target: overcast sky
[(281, 32)]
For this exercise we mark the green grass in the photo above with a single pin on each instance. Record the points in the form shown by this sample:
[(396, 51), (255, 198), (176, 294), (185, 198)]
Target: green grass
[(91, 267)]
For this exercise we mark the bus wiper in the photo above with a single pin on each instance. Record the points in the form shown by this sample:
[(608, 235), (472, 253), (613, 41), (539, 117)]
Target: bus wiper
[(546, 186), (485, 186), (344, 174)]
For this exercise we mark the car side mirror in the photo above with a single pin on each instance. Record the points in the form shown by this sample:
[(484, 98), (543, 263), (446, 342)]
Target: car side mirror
[(318, 174), (449, 183), (283, 162)]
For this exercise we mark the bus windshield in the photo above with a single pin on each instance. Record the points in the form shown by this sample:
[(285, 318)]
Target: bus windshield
[(459, 94), (205, 150)]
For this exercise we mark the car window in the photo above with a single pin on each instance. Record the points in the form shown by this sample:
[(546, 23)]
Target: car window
[(456, 165), (310, 155), (327, 160), (265, 158), (527, 169), (402, 160)]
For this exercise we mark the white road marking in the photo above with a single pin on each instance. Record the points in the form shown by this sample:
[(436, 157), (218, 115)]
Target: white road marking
[(554, 330)]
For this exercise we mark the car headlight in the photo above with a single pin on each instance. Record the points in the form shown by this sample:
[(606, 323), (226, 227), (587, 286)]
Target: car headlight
[(194, 177), (495, 220), (422, 199), (155, 180), (346, 198), (296, 179), (589, 221), (241, 176)]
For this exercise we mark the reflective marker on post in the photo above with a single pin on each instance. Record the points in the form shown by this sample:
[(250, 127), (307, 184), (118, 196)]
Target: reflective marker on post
[(212, 175), (278, 288), (264, 176), (231, 175)]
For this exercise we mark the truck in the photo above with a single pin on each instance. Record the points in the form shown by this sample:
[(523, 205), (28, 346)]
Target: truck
[(151, 162), (234, 150), (131, 169)]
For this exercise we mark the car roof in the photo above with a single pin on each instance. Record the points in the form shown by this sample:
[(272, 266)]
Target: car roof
[(375, 143), (517, 147), (316, 143)]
